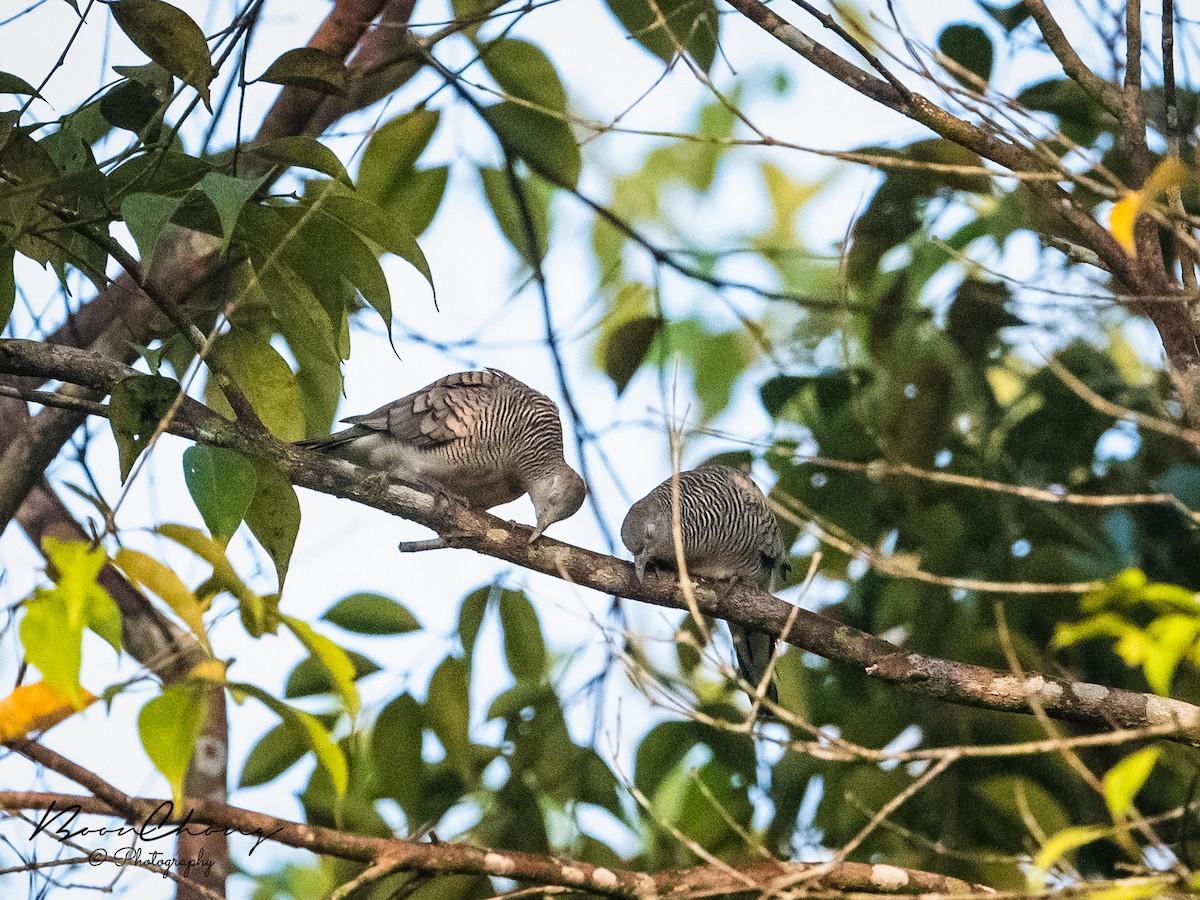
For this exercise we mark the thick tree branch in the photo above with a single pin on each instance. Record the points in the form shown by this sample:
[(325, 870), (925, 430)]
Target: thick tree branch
[(338, 35), (459, 526), (463, 859)]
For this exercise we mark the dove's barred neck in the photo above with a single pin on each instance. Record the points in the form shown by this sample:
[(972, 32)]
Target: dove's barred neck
[(521, 425)]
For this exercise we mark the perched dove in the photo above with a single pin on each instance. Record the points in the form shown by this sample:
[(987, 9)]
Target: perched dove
[(483, 436), (728, 534)]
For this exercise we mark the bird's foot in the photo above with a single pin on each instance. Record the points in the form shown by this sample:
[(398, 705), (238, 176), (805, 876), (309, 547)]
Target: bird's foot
[(443, 497)]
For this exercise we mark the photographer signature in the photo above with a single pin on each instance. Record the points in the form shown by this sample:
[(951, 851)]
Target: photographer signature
[(60, 822)]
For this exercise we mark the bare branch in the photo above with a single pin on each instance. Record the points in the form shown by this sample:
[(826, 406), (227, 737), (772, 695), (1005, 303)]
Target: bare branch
[(1105, 93), (455, 858)]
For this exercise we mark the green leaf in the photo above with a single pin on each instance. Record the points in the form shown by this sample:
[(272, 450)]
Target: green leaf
[(626, 346), (309, 67), (276, 752), (661, 752), (136, 408), (222, 484), (971, 48), (716, 360), (228, 195), (369, 221), (500, 197), (1125, 779), (328, 753), (147, 217), (53, 643), (134, 104), (545, 142), (8, 285), (310, 677), (355, 262), (388, 177), (304, 153), (524, 71), (52, 629), (15, 84), (168, 36), (320, 388), (665, 27), (367, 613), (1080, 117), (274, 517), (476, 12), (523, 644), (392, 153), (396, 752), (161, 172), (302, 317), (470, 616), (448, 710), (264, 377), (415, 201), (169, 726), (976, 316), (332, 658), (1007, 17)]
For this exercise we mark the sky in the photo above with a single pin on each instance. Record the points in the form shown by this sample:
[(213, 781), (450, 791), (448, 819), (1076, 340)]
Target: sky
[(344, 548)]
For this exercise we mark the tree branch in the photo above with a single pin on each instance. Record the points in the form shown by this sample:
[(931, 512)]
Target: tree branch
[(462, 527), (464, 859), (1075, 68), (340, 32), (1143, 274)]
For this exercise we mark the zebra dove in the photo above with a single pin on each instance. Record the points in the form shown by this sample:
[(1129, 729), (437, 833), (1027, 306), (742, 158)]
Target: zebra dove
[(728, 534), (484, 436)]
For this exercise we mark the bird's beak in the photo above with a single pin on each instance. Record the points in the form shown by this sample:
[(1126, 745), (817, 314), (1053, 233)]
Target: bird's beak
[(537, 532), (639, 566)]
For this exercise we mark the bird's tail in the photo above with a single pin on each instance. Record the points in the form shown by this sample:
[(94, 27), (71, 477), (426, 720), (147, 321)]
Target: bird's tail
[(753, 649), (333, 442)]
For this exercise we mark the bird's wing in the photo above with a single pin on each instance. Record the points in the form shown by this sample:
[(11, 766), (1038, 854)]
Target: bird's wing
[(762, 519), (438, 413)]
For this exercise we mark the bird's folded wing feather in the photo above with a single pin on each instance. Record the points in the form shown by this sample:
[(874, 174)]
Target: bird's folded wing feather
[(443, 412)]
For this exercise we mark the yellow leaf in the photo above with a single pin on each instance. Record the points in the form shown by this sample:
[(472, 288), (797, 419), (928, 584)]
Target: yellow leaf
[(1133, 889), (209, 670), (1059, 846), (212, 552), (1121, 218), (335, 660), (150, 573), (35, 707), (1125, 779), (1168, 175), (1006, 385)]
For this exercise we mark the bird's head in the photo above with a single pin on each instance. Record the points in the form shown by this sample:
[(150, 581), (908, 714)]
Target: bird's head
[(637, 534), (555, 497)]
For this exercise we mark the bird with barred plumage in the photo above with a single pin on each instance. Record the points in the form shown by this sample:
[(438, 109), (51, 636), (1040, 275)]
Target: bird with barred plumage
[(728, 533), (483, 436)]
